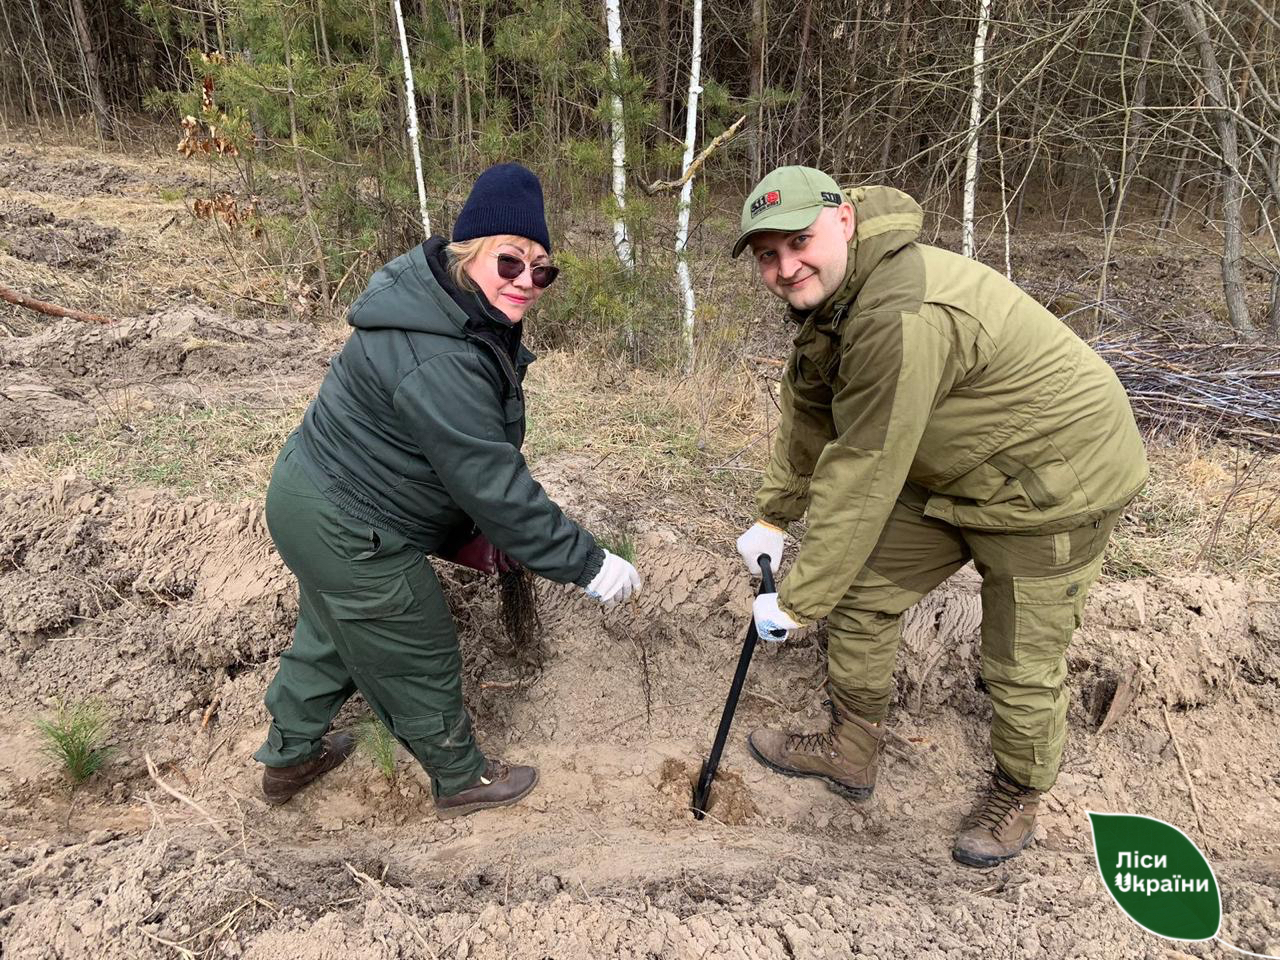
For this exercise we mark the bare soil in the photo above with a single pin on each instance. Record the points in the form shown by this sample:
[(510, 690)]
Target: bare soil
[(171, 612)]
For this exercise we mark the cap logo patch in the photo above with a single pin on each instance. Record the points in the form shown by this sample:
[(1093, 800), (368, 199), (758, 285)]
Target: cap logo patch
[(771, 199), (832, 198)]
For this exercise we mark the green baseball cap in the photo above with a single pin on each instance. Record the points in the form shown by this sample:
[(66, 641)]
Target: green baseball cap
[(787, 199)]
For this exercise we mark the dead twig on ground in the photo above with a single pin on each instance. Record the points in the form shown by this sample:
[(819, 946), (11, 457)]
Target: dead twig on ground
[(1226, 389), (380, 891), (155, 775), (1186, 773)]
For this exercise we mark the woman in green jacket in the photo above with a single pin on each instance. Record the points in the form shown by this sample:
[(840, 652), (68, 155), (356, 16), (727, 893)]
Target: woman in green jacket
[(411, 448)]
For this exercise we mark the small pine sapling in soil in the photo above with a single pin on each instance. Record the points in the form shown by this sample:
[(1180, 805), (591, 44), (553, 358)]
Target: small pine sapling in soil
[(75, 737)]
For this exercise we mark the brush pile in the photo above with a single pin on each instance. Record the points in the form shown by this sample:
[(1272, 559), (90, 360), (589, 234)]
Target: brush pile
[(1226, 390)]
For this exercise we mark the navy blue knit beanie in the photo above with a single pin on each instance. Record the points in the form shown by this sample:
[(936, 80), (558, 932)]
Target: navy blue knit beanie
[(505, 199)]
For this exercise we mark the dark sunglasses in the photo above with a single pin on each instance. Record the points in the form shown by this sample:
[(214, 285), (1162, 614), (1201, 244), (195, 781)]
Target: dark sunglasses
[(510, 267)]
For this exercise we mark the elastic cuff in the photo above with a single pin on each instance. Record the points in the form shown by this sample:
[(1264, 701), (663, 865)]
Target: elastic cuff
[(595, 560)]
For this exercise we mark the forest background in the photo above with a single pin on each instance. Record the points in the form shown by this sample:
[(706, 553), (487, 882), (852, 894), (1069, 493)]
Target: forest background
[(1155, 120)]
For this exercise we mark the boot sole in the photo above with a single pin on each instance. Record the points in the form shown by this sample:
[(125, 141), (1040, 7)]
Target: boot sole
[(448, 813), (979, 861), (856, 794)]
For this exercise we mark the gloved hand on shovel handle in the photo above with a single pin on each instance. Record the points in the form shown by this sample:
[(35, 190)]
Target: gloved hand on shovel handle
[(760, 538), (772, 622)]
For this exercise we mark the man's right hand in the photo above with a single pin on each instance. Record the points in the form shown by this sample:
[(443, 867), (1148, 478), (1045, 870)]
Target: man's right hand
[(617, 580), (761, 538)]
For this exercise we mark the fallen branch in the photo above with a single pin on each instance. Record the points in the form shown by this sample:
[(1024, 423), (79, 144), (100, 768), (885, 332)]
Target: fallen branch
[(1186, 773), (662, 186), (47, 308), (155, 775)]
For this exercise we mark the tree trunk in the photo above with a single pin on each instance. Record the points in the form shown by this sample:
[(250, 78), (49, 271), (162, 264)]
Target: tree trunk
[(975, 121), (1224, 122), (84, 39), (891, 132), (755, 95), (798, 88), (686, 192), (618, 134), (662, 84), (411, 108), (304, 186), (1135, 117)]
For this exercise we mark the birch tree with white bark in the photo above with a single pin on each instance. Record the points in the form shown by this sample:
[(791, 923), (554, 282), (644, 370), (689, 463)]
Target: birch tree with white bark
[(411, 108), (686, 191), (618, 134), (975, 122)]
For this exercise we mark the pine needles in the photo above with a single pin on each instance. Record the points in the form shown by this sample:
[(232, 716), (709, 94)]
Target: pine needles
[(376, 742), (75, 738)]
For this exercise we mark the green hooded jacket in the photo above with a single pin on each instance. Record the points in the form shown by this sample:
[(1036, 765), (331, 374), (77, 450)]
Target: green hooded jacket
[(930, 368), (418, 424)]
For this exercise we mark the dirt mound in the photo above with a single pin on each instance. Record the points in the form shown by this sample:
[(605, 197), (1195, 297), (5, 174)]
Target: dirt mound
[(171, 613), (187, 340), (73, 244), (74, 177), (32, 408)]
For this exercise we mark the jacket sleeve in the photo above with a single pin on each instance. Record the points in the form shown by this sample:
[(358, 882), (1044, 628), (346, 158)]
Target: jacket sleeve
[(894, 368), (805, 427), (449, 402)]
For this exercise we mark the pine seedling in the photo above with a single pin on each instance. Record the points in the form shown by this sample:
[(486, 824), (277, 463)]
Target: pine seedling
[(619, 543), (376, 742), (75, 738)]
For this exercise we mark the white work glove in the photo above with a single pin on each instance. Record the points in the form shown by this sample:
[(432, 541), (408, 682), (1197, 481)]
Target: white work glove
[(617, 580), (761, 538), (772, 623)]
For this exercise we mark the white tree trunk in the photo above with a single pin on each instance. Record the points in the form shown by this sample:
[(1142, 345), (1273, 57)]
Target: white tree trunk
[(621, 243), (975, 120), (411, 108), (686, 192)]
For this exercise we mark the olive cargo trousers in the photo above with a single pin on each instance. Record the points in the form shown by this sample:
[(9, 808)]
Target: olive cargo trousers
[(1033, 594), (371, 617)]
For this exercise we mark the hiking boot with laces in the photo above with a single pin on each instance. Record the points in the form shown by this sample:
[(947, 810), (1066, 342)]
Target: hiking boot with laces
[(1000, 824), (844, 755), (281, 783), (498, 785)]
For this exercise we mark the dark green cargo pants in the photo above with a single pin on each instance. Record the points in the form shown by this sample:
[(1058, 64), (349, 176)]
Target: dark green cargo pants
[(1033, 594), (371, 617)]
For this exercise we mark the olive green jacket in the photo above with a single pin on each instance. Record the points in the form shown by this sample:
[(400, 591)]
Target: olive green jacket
[(928, 367)]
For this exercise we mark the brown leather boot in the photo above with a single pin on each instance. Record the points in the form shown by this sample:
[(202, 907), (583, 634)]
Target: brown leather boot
[(1000, 824), (497, 786), (281, 783), (844, 755)]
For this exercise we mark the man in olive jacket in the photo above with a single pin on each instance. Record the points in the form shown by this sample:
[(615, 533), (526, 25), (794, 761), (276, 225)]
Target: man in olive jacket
[(932, 414)]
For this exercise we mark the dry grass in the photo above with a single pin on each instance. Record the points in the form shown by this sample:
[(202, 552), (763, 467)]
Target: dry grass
[(220, 452), (1207, 507), (655, 444)]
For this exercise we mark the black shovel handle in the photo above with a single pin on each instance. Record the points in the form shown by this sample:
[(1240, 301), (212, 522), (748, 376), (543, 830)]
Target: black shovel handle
[(708, 772)]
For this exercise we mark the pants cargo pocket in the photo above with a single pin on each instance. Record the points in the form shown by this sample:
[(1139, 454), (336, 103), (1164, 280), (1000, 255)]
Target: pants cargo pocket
[(447, 751), (389, 599), (418, 728), (1047, 611)]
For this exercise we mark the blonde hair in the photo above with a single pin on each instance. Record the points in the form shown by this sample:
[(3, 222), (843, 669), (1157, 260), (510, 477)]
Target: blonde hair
[(463, 253)]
